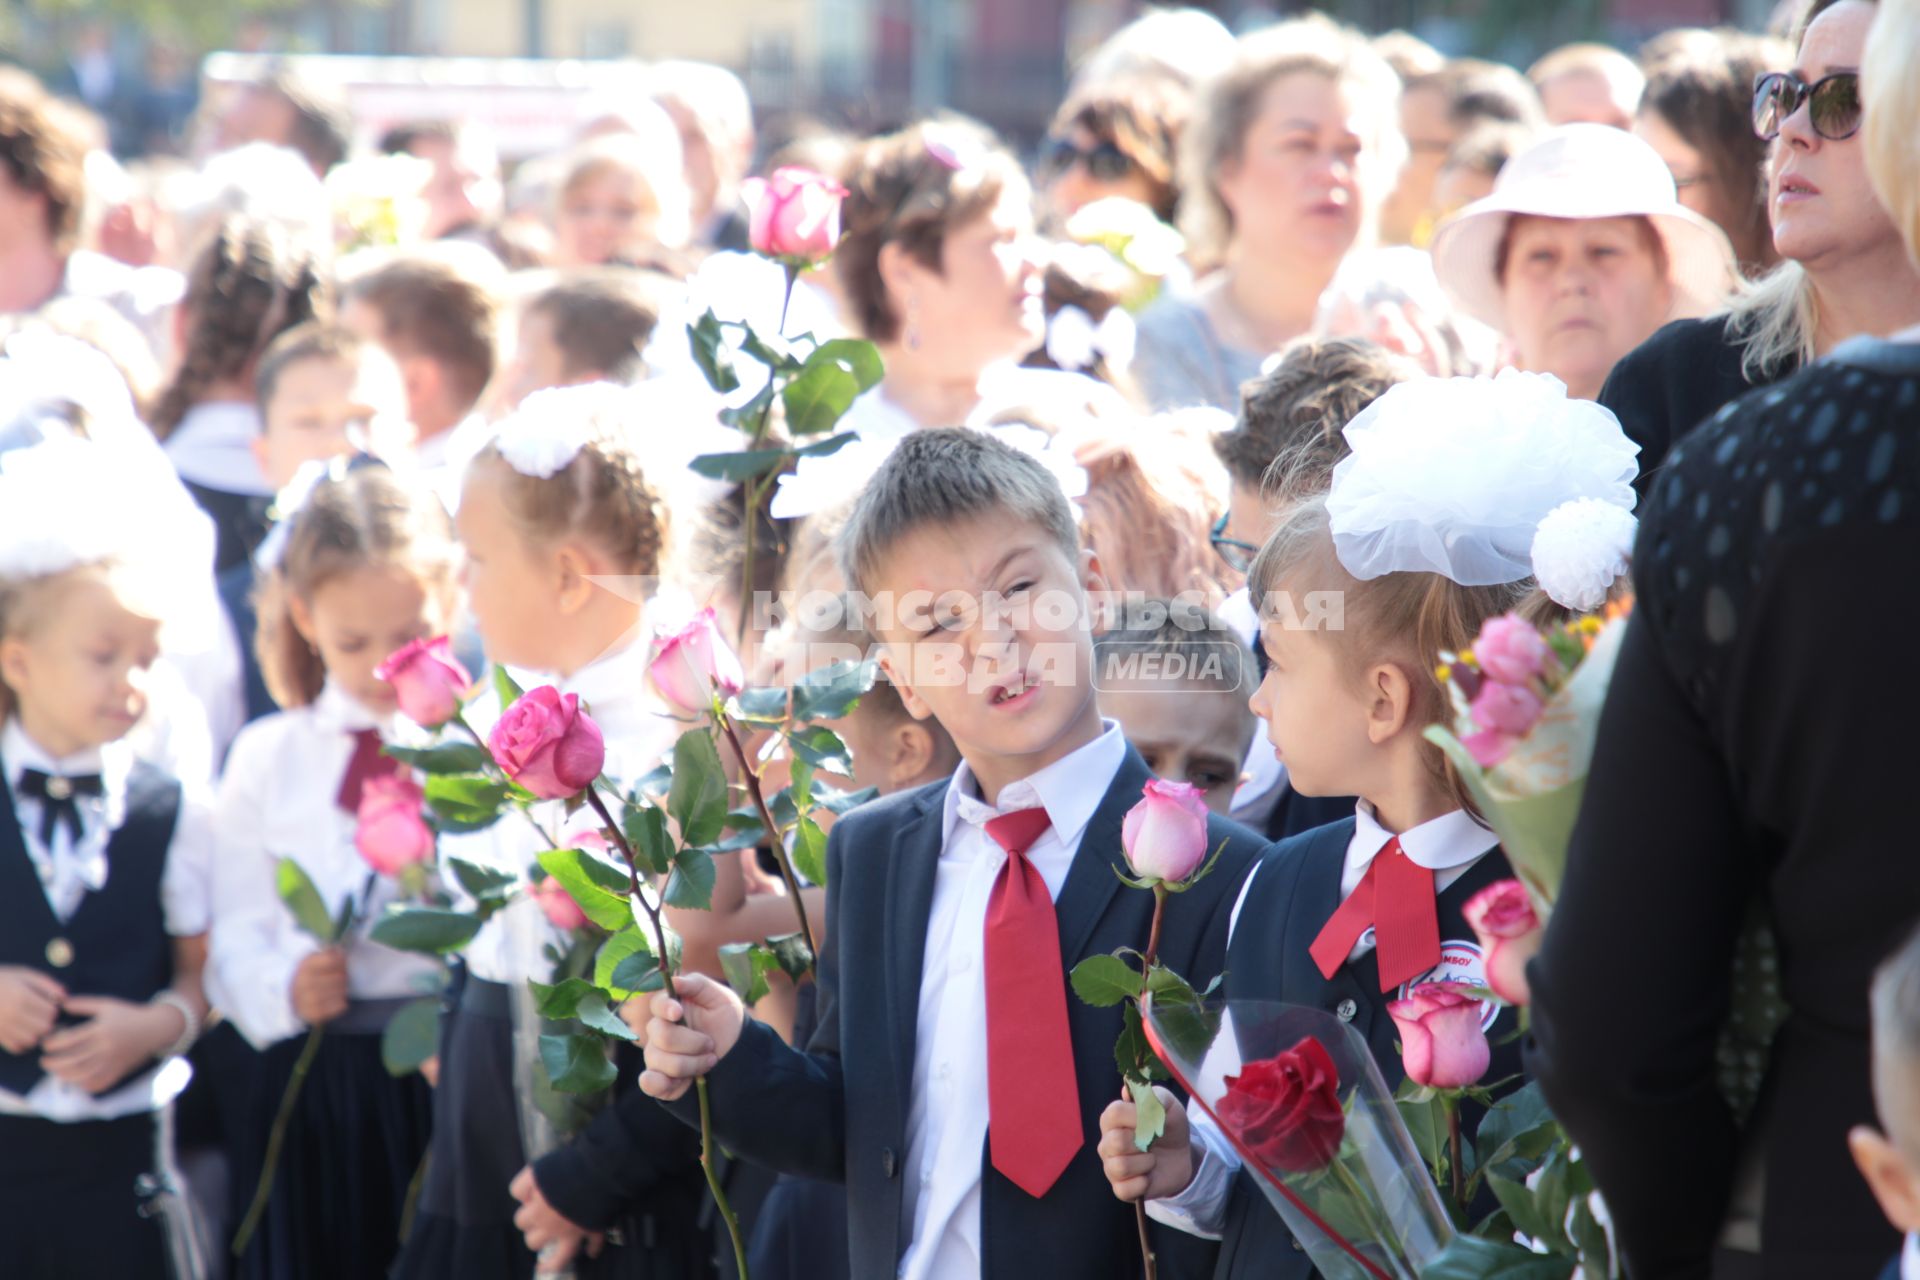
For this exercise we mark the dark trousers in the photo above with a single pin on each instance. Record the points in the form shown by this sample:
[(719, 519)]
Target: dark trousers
[(77, 1200)]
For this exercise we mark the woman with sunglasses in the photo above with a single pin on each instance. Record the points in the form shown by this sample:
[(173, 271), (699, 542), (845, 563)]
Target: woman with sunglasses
[(1757, 731), (1291, 151), (1844, 270), (1115, 138)]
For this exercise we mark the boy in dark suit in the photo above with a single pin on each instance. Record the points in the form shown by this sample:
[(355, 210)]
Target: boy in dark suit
[(954, 1082)]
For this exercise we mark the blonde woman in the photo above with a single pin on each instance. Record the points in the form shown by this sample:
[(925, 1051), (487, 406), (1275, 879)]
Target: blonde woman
[(1290, 153)]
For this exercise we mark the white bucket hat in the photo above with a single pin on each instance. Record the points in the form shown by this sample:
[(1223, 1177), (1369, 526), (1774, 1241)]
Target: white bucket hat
[(1582, 171)]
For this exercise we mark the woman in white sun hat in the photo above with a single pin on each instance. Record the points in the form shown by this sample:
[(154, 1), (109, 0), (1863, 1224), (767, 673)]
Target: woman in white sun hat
[(1580, 253)]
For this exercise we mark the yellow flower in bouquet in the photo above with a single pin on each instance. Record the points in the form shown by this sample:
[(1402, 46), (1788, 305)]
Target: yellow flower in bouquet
[(377, 202), (1139, 241)]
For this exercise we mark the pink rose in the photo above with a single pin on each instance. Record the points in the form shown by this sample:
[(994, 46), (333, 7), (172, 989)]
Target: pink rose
[(390, 832), (1502, 917), (1488, 747), (547, 744), (427, 679), (1510, 650), (1441, 1041), (1506, 708), (795, 214), (1165, 835), (560, 908), (695, 663)]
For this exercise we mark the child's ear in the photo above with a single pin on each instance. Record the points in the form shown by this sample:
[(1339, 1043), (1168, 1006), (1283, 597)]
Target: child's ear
[(1893, 1181), (302, 618), (909, 752), (573, 565), (909, 697), (14, 662), (1389, 697)]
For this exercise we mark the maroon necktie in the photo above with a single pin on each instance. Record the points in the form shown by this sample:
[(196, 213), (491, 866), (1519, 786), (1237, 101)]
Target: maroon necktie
[(1033, 1102), (366, 762), (1396, 899)]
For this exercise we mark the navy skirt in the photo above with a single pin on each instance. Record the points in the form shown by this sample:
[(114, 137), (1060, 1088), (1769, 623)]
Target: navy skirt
[(354, 1144)]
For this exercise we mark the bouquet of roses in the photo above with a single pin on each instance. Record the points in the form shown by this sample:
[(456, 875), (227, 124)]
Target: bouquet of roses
[(1526, 707)]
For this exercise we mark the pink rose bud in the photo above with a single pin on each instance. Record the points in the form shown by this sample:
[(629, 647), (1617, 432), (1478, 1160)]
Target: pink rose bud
[(427, 679), (560, 908), (391, 832), (547, 744), (1441, 1041), (695, 663), (795, 214), (1165, 835), (1506, 708), (1510, 650), (1488, 747), (1502, 918)]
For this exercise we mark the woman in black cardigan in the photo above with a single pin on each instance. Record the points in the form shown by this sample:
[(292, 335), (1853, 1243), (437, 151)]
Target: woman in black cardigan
[(1845, 273), (1760, 736)]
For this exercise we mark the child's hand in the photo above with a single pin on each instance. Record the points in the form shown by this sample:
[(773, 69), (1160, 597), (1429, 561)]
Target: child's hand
[(29, 1005), (320, 987), (677, 1054), (547, 1231), (1164, 1169), (118, 1037)]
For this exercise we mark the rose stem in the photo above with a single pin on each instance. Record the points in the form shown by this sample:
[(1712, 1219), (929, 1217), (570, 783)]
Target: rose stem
[(1146, 968), (752, 779), (756, 488), (666, 980), (1453, 1147)]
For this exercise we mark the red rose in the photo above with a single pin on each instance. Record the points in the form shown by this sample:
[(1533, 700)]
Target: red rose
[(1286, 1109), (547, 744)]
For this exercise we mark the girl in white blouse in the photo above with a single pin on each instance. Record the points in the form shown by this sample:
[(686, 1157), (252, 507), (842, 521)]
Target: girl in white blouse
[(367, 565)]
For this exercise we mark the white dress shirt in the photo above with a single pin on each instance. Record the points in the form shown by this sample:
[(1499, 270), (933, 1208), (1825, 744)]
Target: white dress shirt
[(69, 869), (213, 447), (1448, 846), (639, 732), (947, 1114), (443, 458), (277, 801), (1910, 1258)]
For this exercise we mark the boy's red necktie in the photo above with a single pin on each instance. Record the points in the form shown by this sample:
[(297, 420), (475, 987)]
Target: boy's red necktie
[(1033, 1102), (1396, 899)]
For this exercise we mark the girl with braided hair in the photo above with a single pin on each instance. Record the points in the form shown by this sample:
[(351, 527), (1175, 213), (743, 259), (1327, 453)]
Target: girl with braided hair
[(250, 282)]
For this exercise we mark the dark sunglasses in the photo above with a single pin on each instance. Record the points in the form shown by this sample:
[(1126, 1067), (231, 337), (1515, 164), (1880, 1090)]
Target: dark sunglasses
[(1835, 99), (1104, 161), (1238, 555)]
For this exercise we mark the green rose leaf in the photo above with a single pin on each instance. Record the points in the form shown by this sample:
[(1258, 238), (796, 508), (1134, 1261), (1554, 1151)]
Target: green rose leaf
[(505, 688), (646, 831), (793, 954), (761, 706), (1104, 981), (1150, 1114), (691, 885), (832, 691), (443, 757), (698, 798), (465, 801), (481, 882), (1474, 1258), (303, 899), (629, 941), (432, 930), (810, 851), (839, 802), (600, 889), (707, 339), (821, 748), (594, 1012), (411, 1036), (559, 1000), (1517, 1134), (746, 966), (576, 1063)]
